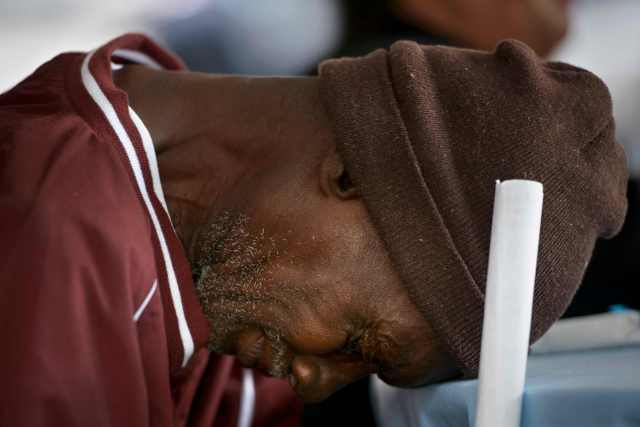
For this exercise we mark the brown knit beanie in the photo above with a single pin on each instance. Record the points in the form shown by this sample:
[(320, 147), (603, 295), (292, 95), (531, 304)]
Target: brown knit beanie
[(425, 131)]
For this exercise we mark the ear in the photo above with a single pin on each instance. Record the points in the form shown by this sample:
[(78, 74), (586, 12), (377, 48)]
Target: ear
[(334, 178)]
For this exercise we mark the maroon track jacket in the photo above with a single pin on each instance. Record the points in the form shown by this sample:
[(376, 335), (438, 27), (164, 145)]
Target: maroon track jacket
[(99, 321)]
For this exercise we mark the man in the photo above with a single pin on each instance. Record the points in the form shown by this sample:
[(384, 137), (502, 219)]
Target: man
[(334, 226)]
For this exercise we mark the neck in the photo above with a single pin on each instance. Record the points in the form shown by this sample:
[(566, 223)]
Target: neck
[(211, 132)]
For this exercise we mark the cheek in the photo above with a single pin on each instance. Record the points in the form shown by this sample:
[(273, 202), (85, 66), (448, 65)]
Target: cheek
[(327, 261), (316, 341), (312, 318), (300, 302), (344, 271)]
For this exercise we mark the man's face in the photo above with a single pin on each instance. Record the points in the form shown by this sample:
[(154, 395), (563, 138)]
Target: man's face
[(296, 283)]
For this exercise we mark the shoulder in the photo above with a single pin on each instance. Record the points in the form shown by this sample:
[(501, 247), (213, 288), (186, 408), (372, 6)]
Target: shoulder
[(65, 194), (51, 158), (75, 251)]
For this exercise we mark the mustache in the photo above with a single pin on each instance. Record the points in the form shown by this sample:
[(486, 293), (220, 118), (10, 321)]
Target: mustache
[(235, 285), (232, 307), (281, 357), (230, 315)]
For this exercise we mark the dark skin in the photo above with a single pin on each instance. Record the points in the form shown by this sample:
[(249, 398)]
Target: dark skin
[(291, 273), (481, 24)]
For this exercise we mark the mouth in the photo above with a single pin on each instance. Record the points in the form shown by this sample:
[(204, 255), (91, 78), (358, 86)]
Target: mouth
[(249, 348), (255, 350)]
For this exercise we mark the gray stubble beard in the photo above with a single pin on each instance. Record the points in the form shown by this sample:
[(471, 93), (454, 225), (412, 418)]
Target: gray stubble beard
[(231, 284)]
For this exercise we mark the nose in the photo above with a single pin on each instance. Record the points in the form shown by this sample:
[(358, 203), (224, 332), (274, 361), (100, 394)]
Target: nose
[(316, 378)]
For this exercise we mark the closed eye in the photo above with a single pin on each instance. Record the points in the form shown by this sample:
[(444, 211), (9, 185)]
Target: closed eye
[(352, 346), (344, 182), (363, 346)]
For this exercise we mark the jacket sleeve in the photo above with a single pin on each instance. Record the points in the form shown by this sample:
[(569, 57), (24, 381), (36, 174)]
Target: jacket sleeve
[(276, 403), (69, 354)]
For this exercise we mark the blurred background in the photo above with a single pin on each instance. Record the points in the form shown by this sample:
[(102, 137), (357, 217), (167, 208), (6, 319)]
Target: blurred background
[(290, 37), (276, 37)]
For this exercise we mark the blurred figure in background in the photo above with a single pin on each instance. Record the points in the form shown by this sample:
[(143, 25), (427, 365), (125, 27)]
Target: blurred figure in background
[(477, 24), (275, 37), (244, 37)]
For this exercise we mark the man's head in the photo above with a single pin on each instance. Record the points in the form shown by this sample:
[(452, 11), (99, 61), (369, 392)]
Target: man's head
[(425, 132), (290, 271), (340, 226)]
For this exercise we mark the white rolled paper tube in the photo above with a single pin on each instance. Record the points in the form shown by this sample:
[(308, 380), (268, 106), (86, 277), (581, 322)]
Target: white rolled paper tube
[(515, 234)]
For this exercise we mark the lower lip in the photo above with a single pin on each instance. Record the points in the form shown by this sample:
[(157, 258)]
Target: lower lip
[(249, 348)]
